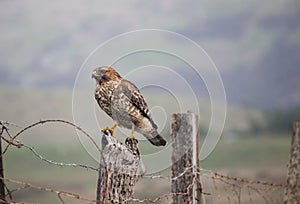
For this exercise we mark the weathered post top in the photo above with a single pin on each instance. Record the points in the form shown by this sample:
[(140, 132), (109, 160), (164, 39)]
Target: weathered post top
[(120, 169)]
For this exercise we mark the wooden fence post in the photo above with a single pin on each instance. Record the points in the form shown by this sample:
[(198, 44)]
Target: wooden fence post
[(120, 169), (292, 191), (186, 186)]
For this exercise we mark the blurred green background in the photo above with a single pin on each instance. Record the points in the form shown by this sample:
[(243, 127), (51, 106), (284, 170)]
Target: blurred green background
[(254, 44)]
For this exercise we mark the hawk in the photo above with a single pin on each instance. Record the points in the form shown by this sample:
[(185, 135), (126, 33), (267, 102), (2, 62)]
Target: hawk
[(123, 102)]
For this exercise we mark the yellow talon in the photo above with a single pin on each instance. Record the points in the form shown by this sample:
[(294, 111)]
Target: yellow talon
[(132, 136), (112, 129)]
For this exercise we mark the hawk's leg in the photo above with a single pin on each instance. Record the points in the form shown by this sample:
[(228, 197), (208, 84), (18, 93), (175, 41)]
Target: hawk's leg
[(132, 136), (112, 129)]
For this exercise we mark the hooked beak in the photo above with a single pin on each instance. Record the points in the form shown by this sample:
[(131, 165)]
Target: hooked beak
[(94, 75)]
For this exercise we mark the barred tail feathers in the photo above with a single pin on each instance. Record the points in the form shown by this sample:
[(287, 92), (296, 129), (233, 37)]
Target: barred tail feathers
[(157, 140)]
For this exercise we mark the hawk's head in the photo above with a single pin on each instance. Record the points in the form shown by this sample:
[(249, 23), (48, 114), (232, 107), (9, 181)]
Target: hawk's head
[(102, 74)]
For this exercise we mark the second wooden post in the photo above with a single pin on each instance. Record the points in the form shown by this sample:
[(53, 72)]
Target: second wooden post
[(186, 186)]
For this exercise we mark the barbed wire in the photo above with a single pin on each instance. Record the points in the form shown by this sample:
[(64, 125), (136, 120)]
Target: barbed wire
[(221, 182), (20, 144), (231, 183), (50, 121), (202, 171), (47, 189), (61, 164)]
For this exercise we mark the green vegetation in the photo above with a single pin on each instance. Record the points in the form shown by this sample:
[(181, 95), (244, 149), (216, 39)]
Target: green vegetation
[(278, 121), (256, 153), (282, 120)]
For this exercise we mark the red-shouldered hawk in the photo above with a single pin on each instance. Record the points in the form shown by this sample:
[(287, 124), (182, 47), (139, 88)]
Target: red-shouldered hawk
[(123, 102)]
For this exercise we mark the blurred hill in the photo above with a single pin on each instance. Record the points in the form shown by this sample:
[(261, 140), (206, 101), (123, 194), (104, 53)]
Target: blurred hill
[(26, 106), (255, 44)]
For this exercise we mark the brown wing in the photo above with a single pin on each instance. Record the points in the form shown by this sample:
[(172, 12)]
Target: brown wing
[(136, 98)]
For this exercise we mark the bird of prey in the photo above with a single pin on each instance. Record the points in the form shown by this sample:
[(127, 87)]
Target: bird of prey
[(123, 102)]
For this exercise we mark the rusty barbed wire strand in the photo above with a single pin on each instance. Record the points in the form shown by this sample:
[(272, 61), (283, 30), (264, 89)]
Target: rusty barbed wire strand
[(52, 121), (10, 192), (58, 163), (258, 182), (249, 181), (20, 144), (4, 128), (233, 181), (166, 177), (60, 198), (220, 175), (57, 192)]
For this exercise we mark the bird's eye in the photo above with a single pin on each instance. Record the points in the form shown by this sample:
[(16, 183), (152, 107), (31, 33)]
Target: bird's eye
[(102, 71)]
